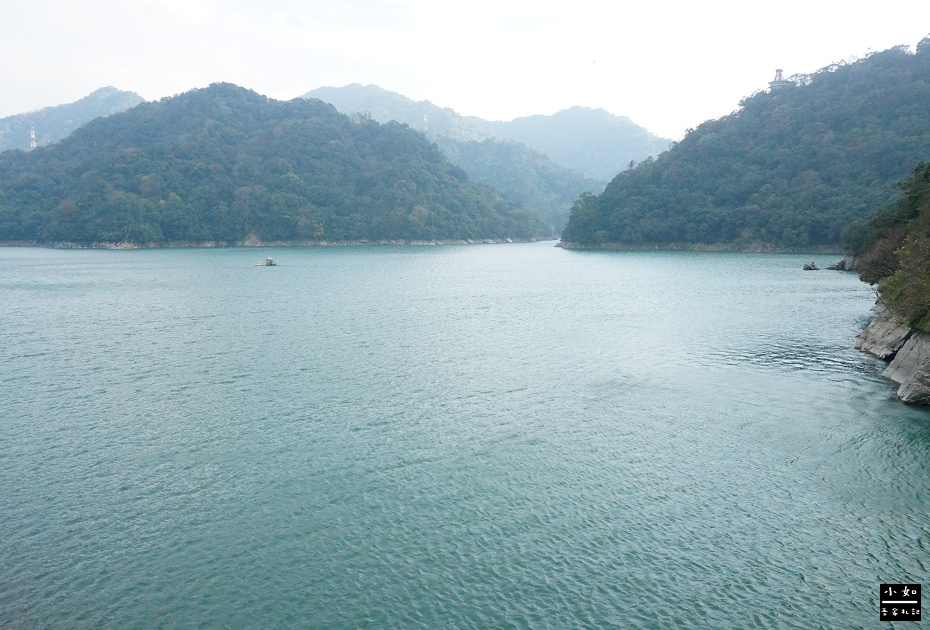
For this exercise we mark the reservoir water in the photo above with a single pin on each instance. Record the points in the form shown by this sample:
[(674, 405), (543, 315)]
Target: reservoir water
[(499, 436)]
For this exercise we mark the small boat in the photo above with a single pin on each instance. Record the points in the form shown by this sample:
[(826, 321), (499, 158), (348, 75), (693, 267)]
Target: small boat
[(269, 262)]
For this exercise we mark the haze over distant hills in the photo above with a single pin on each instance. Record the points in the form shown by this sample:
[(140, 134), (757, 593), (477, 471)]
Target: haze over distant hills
[(593, 142), (491, 154), (384, 105), (51, 124), (522, 174), (791, 168), (225, 164)]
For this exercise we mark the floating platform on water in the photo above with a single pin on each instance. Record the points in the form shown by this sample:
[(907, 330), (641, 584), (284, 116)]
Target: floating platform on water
[(269, 262)]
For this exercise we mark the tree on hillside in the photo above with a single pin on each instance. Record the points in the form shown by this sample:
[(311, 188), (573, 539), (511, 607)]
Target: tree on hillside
[(790, 167), (225, 163)]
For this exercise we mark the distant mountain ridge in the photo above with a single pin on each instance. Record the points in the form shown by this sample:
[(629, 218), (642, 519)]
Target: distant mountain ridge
[(591, 141), (384, 105), (54, 123), (525, 176), (521, 172), (224, 164)]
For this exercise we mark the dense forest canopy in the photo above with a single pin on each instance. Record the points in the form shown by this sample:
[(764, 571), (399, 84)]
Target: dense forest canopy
[(894, 250), (224, 163), (51, 124), (522, 174), (791, 167)]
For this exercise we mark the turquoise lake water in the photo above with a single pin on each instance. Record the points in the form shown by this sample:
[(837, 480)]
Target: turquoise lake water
[(488, 436)]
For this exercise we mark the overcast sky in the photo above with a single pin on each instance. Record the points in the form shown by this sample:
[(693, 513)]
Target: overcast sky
[(667, 65)]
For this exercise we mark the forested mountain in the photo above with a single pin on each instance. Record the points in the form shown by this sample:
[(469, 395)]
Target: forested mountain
[(590, 141), (226, 164), (791, 167), (51, 124), (524, 175)]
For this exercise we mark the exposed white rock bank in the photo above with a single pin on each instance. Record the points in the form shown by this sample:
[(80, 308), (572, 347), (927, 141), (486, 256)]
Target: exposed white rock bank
[(907, 350)]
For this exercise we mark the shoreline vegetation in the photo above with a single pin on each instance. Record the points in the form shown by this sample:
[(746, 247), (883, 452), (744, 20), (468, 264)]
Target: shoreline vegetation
[(254, 242), (894, 255), (753, 248)]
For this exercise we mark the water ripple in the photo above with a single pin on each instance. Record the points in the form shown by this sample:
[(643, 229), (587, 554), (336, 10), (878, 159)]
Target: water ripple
[(450, 437)]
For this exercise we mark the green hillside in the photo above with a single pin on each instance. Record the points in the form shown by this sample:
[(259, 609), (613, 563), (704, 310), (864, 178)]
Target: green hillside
[(522, 174), (790, 168), (51, 124), (226, 164)]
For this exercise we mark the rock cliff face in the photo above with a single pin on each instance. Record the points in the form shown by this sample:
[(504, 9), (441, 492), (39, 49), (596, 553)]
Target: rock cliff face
[(911, 369), (884, 335), (907, 351)]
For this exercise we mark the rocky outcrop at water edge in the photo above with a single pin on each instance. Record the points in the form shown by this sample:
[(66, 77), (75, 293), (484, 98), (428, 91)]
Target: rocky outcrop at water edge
[(884, 335), (910, 368), (846, 263), (906, 350)]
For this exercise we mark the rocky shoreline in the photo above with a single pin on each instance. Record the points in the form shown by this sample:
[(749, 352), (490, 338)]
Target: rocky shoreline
[(254, 242), (906, 351)]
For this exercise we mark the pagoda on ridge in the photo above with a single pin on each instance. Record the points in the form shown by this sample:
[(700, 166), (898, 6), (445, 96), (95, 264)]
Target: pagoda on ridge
[(779, 83)]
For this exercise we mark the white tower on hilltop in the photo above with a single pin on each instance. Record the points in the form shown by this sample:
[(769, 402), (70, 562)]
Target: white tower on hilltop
[(32, 137), (780, 82)]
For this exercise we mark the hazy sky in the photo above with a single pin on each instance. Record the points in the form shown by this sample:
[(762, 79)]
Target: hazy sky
[(666, 65)]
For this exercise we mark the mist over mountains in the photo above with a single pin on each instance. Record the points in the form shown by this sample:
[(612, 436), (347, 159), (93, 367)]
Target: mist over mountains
[(542, 162), (525, 176), (791, 168), (592, 142), (54, 123), (384, 105)]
